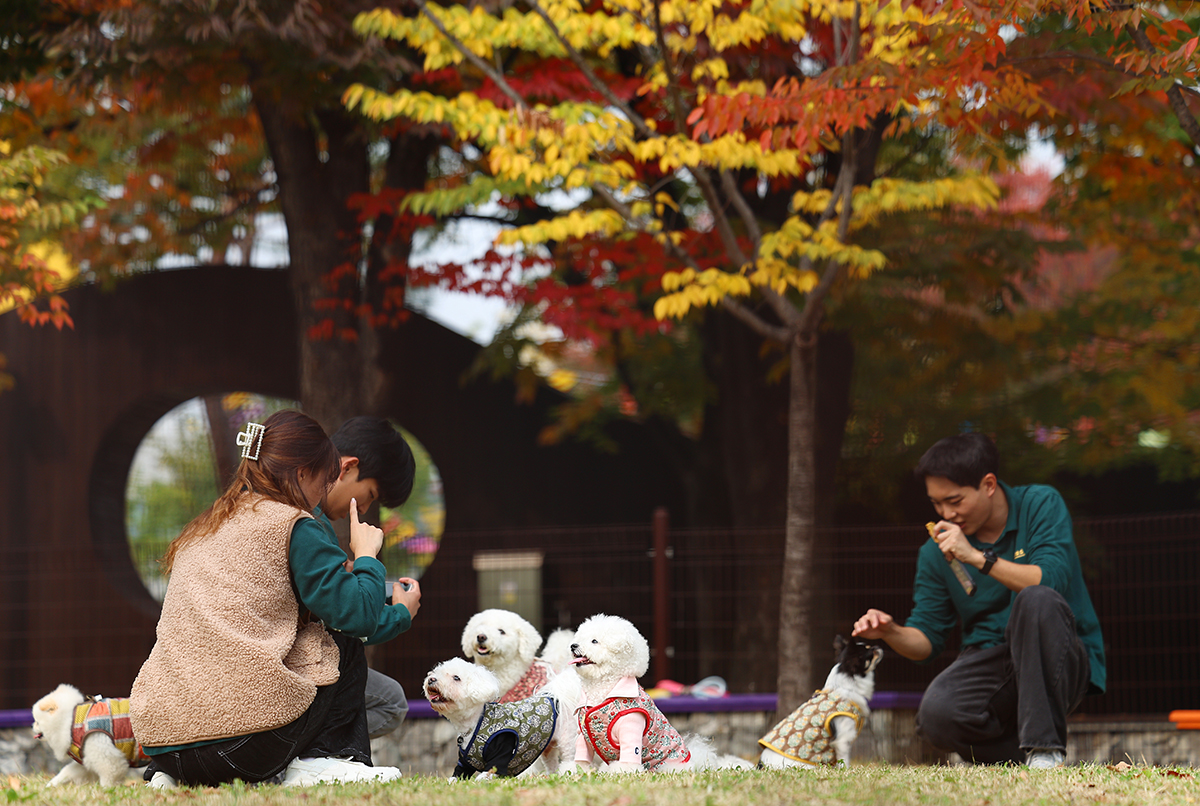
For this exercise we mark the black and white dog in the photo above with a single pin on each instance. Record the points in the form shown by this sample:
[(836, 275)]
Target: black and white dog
[(822, 730)]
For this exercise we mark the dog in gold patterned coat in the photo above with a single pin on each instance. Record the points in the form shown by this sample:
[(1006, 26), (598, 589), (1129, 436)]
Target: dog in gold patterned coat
[(823, 729)]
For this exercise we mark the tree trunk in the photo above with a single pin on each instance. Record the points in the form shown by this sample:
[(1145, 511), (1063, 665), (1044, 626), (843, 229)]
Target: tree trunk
[(321, 161), (795, 601)]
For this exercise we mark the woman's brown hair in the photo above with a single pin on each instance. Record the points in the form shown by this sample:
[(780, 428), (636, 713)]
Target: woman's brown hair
[(290, 442)]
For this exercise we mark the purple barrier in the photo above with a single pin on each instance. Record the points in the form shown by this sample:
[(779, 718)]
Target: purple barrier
[(419, 709), (16, 719)]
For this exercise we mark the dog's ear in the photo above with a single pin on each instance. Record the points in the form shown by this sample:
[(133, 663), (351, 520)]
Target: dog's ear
[(468, 638), (839, 643), (48, 706), (528, 640)]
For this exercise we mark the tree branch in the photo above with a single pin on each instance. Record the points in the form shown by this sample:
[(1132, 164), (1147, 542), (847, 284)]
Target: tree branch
[(1174, 94), (487, 69), (577, 59), (755, 322)]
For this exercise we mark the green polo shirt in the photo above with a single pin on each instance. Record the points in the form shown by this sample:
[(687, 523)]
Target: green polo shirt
[(350, 603), (1038, 532)]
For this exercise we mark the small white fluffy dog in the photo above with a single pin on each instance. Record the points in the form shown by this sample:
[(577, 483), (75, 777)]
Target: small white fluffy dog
[(823, 729), (97, 744), (619, 724), (507, 645), (505, 739)]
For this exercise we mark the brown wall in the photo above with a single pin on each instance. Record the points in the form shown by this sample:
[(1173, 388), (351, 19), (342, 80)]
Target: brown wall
[(72, 608)]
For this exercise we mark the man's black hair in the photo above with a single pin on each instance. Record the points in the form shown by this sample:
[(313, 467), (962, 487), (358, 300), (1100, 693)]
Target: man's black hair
[(963, 458), (383, 455)]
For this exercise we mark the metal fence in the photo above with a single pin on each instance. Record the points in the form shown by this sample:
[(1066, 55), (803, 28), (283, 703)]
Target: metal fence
[(721, 599), (706, 599)]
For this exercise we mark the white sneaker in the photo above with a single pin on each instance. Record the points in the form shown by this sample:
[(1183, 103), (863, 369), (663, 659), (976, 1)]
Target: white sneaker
[(160, 780), (1040, 758), (310, 771)]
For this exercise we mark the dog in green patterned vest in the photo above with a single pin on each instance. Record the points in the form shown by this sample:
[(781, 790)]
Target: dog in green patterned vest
[(505, 738), (823, 729)]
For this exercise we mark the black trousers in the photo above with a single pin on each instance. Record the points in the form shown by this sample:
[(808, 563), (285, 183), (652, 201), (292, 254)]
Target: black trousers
[(991, 705), (334, 725)]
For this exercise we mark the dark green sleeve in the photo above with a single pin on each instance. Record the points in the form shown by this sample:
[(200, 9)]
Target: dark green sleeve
[(1046, 532), (933, 610), (352, 603)]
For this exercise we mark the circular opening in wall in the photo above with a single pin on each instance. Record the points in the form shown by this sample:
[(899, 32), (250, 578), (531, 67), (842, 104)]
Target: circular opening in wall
[(179, 468)]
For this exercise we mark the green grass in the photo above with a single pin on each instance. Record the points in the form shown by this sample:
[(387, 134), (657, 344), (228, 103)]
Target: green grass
[(866, 784)]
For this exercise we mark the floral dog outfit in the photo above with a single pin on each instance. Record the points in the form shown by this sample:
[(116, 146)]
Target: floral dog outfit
[(660, 741), (805, 736), (531, 720), (531, 682)]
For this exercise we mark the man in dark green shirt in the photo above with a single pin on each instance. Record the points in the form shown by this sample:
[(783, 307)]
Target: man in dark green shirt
[(1031, 643)]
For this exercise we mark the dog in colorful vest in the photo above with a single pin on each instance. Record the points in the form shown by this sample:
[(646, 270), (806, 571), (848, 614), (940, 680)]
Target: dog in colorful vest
[(92, 734)]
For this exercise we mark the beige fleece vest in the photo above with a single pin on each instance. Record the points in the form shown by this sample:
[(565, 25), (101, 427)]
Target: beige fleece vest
[(230, 657)]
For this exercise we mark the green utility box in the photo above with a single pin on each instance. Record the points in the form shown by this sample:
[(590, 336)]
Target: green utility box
[(511, 580)]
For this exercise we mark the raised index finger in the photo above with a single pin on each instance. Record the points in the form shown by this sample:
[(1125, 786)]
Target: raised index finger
[(353, 512)]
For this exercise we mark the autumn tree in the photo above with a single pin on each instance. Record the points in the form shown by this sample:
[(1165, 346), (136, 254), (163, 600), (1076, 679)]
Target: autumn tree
[(196, 119), (670, 161), (32, 271), (1086, 363)]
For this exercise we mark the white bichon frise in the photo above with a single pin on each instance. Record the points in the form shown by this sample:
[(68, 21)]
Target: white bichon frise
[(618, 723), (92, 735), (823, 729), (499, 738), (507, 645)]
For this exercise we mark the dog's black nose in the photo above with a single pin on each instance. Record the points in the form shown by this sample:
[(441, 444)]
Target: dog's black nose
[(574, 647), (481, 638)]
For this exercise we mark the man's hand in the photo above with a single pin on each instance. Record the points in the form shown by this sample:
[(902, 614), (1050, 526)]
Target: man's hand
[(365, 540), (955, 545), (873, 625), (908, 641), (410, 598)]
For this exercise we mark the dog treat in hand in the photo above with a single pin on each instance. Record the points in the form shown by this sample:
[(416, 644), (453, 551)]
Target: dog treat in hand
[(956, 567)]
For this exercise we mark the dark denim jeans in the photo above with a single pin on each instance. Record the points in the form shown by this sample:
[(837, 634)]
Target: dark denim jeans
[(334, 725), (991, 705)]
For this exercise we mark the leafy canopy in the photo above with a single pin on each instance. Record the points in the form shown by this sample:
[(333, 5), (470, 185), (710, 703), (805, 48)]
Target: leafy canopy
[(701, 114)]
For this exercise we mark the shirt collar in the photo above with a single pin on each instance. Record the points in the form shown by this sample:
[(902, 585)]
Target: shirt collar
[(1014, 504), (625, 687)]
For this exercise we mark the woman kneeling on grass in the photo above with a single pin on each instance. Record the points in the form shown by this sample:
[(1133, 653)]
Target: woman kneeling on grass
[(243, 682)]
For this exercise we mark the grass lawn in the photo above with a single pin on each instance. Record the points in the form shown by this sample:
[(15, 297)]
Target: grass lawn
[(866, 784)]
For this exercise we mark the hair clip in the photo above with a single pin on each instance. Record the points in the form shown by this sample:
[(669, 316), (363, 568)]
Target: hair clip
[(251, 438)]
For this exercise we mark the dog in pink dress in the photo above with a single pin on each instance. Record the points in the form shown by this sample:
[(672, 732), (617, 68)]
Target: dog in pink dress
[(619, 725)]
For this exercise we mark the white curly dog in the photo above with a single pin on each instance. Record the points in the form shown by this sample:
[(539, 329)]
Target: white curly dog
[(505, 739), (92, 735), (619, 725), (507, 645)]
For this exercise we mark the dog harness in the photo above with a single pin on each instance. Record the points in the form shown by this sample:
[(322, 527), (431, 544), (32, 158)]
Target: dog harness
[(660, 741), (110, 717), (805, 736), (531, 682), (531, 720)]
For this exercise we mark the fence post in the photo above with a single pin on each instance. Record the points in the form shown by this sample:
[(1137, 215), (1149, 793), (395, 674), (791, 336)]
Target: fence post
[(662, 598)]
